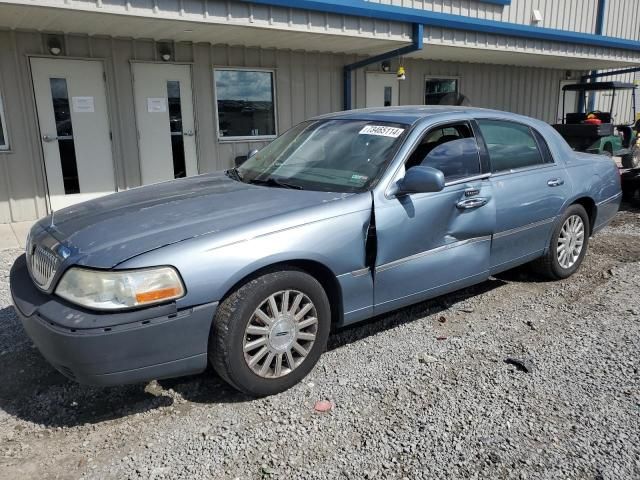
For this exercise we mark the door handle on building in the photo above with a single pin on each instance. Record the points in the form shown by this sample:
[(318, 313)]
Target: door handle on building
[(555, 182), (472, 203), (188, 133), (49, 138)]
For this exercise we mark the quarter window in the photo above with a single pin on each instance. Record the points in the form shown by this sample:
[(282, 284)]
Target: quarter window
[(4, 140), (245, 103), (511, 145)]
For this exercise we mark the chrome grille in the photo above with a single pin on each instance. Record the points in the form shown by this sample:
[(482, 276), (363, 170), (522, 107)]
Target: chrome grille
[(43, 266)]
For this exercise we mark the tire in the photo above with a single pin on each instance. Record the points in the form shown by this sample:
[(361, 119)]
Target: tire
[(631, 160), (239, 326), (549, 265)]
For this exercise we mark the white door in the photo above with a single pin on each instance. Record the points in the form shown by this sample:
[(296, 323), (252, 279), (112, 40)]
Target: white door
[(382, 90), (166, 130), (570, 100), (74, 126)]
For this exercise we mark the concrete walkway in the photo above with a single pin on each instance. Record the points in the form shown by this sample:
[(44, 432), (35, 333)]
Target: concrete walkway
[(14, 235)]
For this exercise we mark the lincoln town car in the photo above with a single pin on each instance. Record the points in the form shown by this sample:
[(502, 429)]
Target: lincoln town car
[(343, 217)]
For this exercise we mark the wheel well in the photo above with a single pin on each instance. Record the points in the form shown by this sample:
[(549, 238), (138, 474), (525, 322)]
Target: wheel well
[(608, 147), (316, 269), (590, 206)]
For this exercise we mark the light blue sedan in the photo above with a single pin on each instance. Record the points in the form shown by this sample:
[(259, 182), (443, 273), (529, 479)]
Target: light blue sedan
[(343, 217)]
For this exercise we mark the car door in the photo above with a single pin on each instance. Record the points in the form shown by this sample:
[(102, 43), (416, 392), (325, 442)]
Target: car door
[(529, 188), (431, 243)]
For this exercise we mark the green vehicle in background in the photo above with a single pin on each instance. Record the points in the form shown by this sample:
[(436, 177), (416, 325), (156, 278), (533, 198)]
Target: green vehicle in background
[(596, 131)]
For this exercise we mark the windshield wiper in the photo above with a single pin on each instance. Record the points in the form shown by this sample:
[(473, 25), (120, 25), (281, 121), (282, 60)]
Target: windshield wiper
[(234, 174), (272, 182)]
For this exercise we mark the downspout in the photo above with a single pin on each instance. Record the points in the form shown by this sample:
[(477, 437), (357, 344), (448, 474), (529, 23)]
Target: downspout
[(602, 8), (418, 42)]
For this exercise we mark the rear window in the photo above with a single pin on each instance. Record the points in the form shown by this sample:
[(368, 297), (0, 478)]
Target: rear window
[(511, 145)]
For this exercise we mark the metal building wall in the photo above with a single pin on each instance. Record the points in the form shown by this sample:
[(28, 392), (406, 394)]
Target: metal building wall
[(574, 15), (623, 103), (307, 84), (622, 19), (526, 90)]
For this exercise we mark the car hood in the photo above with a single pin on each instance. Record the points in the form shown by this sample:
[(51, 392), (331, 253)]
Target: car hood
[(107, 231)]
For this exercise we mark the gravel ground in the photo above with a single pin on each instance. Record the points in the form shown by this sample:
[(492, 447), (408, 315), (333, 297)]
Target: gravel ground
[(422, 393)]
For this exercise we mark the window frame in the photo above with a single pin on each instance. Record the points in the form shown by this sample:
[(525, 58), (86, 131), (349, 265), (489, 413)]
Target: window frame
[(537, 166), (457, 78), (246, 138), (6, 146), (401, 171)]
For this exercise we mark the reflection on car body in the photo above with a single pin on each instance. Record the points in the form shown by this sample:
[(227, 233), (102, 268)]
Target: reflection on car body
[(343, 217)]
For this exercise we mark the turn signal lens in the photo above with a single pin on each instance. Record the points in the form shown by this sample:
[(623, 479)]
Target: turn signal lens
[(155, 295), (116, 290)]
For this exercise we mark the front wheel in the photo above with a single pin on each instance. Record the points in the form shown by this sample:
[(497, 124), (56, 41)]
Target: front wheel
[(568, 245), (269, 333)]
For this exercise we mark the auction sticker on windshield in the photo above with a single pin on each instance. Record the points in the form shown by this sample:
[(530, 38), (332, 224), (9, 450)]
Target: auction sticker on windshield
[(382, 131)]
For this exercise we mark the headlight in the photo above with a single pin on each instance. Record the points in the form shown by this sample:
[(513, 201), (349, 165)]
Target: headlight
[(119, 290)]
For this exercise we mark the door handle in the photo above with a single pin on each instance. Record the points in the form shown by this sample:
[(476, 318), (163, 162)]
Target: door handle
[(49, 138), (188, 133), (555, 182), (472, 203)]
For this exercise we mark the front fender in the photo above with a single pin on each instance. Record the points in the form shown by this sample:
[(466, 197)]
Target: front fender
[(338, 243)]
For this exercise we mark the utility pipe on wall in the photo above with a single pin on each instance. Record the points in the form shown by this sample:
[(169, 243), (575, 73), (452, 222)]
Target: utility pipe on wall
[(418, 43)]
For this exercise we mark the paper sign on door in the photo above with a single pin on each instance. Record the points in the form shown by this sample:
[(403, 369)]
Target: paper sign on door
[(83, 104), (156, 105)]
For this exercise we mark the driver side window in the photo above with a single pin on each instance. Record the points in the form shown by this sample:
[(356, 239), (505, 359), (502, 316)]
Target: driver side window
[(452, 149)]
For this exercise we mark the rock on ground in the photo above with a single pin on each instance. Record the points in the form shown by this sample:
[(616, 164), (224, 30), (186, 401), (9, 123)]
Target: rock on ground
[(404, 404)]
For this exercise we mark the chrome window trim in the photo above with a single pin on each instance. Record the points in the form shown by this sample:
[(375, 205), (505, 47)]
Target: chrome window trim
[(611, 198), (523, 169), (511, 231), (475, 178), (400, 261)]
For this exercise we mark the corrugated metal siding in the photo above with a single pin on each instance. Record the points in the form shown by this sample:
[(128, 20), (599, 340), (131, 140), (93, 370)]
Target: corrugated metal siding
[(529, 91), (307, 84), (623, 103), (216, 12), (568, 51), (574, 15), (623, 19)]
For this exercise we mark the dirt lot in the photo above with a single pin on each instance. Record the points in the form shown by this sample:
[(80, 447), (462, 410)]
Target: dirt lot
[(421, 393)]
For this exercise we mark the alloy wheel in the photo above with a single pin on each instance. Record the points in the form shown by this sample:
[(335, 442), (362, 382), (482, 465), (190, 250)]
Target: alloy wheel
[(570, 241), (280, 334)]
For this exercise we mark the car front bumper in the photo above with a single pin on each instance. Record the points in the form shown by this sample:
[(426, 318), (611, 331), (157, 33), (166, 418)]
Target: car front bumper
[(112, 348)]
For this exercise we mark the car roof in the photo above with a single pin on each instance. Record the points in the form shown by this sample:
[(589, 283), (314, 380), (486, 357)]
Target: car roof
[(409, 114)]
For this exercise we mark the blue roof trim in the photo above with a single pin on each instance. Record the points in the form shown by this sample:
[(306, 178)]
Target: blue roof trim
[(362, 8)]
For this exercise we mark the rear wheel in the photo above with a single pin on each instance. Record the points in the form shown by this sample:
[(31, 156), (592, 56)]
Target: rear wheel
[(568, 245), (632, 160), (269, 334)]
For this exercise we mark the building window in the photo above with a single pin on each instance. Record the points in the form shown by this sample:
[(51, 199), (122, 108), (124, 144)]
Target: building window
[(4, 139), (245, 101), (441, 91)]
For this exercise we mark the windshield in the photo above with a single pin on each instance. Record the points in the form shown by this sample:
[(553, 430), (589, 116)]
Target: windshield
[(326, 155)]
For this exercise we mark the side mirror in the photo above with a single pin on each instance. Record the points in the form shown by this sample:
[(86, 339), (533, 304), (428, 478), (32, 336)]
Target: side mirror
[(420, 180), (239, 160)]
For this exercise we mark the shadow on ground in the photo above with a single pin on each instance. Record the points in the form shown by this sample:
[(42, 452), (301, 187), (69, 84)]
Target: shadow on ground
[(33, 391)]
